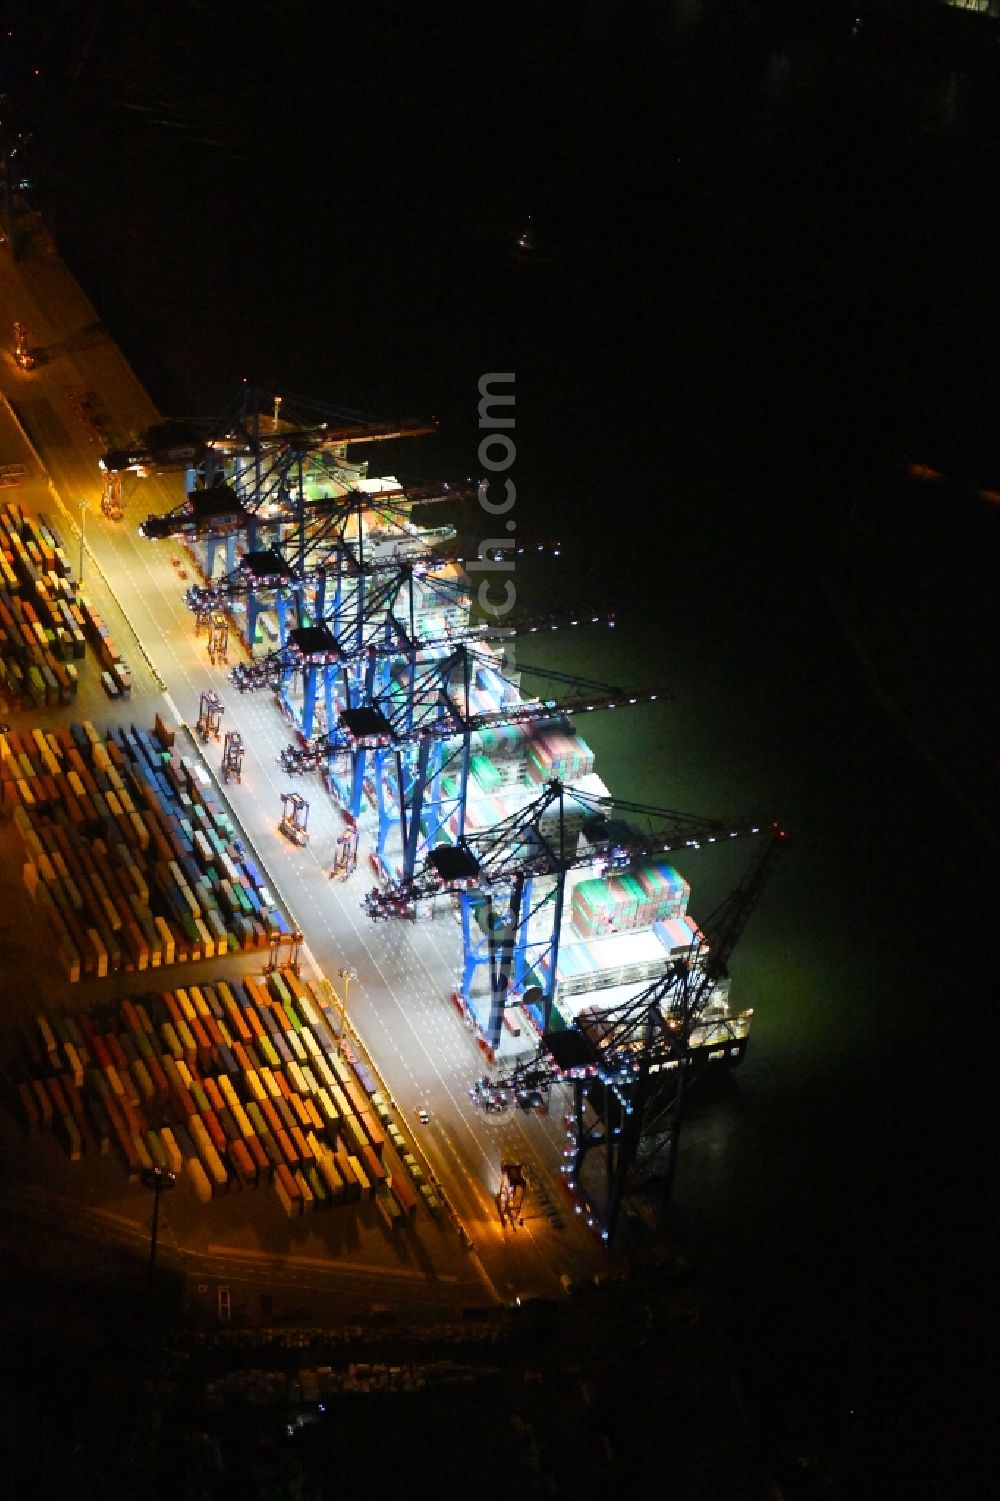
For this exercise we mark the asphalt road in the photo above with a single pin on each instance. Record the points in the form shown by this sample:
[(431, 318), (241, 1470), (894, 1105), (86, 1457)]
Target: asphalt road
[(81, 397)]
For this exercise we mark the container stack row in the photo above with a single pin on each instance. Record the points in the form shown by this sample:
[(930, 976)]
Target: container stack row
[(115, 675), (234, 1086), (131, 850)]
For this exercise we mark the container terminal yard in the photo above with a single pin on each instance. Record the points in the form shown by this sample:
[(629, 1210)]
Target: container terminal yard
[(430, 996)]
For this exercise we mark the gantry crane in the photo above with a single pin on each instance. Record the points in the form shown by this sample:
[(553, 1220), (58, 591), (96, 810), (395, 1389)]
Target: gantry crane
[(510, 880), (630, 1065)]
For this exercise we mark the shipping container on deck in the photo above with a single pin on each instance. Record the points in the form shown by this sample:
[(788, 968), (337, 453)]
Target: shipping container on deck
[(373, 1166)]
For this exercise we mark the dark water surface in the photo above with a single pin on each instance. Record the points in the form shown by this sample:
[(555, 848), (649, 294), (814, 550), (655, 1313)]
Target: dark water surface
[(775, 280)]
